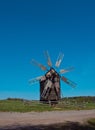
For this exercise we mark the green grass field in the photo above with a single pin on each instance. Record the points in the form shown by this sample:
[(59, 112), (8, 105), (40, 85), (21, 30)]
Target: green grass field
[(20, 105)]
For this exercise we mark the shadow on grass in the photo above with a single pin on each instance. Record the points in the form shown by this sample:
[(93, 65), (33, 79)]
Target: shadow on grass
[(60, 126)]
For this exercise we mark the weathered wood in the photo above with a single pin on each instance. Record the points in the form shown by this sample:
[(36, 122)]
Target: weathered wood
[(52, 93)]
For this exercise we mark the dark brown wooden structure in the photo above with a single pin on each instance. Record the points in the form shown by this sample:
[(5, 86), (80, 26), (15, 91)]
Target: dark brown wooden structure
[(50, 87)]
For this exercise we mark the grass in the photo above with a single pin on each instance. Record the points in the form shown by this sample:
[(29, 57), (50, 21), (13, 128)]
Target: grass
[(20, 105)]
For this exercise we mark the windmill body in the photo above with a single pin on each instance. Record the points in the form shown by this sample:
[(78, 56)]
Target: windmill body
[(50, 86), (50, 89)]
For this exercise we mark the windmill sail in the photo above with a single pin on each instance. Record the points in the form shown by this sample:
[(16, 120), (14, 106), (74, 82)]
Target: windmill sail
[(62, 71), (71, 83), (46, 90), (59, 59), (48, 59), (38, 64), (34, 80)]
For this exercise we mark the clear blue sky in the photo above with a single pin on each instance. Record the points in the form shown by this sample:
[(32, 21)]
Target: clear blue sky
[(28, 27)]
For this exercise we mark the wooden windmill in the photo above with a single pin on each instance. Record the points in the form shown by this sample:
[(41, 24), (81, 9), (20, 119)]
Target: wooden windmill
[(50, 90)]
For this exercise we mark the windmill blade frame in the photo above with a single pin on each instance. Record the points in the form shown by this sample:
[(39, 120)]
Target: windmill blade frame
[(59, 59), (62, 71), (48, 58), (46, 89), (34, 80), (66, 80), (42, 67)]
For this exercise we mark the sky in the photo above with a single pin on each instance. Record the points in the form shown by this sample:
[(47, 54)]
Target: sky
[(29, 27)]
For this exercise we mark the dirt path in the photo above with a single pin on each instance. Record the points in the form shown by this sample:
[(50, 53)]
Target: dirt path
[(34, 118)]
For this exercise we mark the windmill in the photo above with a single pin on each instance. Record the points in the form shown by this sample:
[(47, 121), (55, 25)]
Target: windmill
[(50, 82)]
